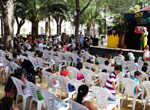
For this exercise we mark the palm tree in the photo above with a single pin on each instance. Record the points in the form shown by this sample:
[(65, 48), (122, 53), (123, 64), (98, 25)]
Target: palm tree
[(35, 11), (56, 8)]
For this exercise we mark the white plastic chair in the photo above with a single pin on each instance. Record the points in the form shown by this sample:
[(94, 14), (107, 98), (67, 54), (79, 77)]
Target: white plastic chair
[(130, 85), (103, 78), (101, 60), (102, 95), (49, 78), (102, 66), (146, 85), (42, 62), (88, 74), (140, 63), (75, 57), (18, 83), (88, 65), (117, 58), (76, 83), (50, 100), (64, 81), (73, 72), (58, 64), (77, 106), (33, 90), (13, 66), (68, 57)]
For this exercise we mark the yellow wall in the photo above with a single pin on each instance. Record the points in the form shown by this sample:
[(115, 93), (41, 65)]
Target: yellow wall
[(112, 40)]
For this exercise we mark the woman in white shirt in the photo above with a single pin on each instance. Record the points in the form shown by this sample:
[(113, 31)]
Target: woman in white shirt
[(146, 53)]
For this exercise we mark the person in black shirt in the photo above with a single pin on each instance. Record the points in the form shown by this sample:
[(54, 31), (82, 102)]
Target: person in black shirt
[(16, 42)]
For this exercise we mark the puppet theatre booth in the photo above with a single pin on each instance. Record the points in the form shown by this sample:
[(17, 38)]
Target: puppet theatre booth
[(136, 22)]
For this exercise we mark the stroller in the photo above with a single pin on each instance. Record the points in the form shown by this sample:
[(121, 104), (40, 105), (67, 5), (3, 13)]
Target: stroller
[(28, 70)]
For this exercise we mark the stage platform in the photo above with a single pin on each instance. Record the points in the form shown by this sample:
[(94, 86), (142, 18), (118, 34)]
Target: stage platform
[(103, 50)]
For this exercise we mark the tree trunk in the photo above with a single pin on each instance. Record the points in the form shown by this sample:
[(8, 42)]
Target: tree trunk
[(88, 29), (79, 13), (2, 27), (105, 22), (49, 26), (19, 23), (34, 29), (8, 8), (46, 28), (60, 25), (93, 29), (18, 29), (121, 38), (57, 27), (77, 24)]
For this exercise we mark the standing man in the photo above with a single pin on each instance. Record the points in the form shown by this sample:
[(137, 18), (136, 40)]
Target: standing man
[(81, 39), (144, 38), (16, 42)]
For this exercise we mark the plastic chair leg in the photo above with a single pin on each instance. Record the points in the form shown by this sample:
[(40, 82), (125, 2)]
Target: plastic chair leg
[(24, 103), (39, 105), (118, 103), (17, 99), (145, 104), (134, 102), (122, 100), (30, 104)]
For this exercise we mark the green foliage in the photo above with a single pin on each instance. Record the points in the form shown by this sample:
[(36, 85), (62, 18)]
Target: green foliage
[(34, 9)]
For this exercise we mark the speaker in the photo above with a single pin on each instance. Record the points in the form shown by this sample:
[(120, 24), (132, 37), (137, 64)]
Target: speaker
[(95, 41)]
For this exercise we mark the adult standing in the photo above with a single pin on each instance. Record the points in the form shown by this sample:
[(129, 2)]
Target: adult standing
[(144, 38), (16, 42), (86, 41), (81, 39), (146, 53)]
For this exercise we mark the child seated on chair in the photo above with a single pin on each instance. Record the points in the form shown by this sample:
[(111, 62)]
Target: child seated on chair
[(144, 69), (111, 83), (82, 93), (136, 62), (137, 76)]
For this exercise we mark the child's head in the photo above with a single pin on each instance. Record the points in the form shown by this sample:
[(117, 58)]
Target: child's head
[(117, 69), (79, 66), (19, 73), (106, 62), (88, 60), (6, 103), (120, 51), (14, 55), (79, 52), (145, 64), (136, 60), (82, 92), (103, 56), (109, 57), (144, 68), (104, 70), (137, 74), (9, 85)]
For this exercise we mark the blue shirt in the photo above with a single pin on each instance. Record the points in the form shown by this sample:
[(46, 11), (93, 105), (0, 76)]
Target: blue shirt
[(135, 79), (80, 38), (78, 60)]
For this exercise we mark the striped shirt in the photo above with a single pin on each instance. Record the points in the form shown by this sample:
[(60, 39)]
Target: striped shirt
[(109, 86)]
